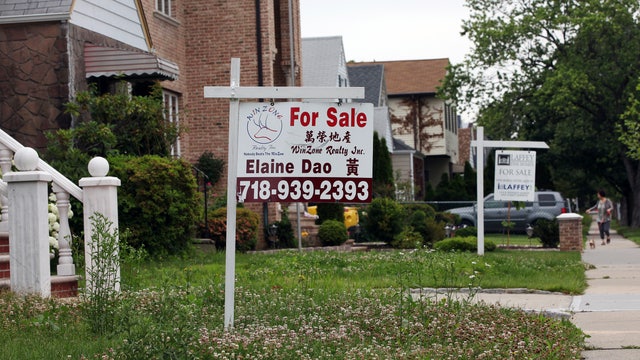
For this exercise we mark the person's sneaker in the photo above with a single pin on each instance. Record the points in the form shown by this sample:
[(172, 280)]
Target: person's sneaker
[(608, 240)]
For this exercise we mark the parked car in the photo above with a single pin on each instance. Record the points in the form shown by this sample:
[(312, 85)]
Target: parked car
[(547, 205)]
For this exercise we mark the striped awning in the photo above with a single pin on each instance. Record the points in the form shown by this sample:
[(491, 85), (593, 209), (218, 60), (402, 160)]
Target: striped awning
[(106, 61)]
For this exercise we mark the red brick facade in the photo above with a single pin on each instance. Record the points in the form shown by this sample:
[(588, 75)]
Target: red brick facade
[(42, 67), (202, 36), (570, 232)]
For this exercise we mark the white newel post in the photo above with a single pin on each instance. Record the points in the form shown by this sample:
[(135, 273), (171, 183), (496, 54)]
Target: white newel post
[(100, 196), (28, 192), (66, 267)]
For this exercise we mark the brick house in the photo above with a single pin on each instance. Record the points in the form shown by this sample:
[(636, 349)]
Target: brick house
[(50, 50), (45, 49), (419, 119)]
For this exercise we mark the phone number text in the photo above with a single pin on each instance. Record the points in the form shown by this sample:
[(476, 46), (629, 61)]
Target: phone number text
[(304, 189)]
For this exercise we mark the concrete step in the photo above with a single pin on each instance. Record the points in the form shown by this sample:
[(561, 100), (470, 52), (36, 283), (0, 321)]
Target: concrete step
[(61, 286), (5, 266)]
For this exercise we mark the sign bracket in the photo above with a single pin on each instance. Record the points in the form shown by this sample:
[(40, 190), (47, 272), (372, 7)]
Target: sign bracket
[(480, 144)]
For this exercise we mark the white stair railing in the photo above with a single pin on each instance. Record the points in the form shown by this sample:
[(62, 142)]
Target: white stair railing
[(62, 187)]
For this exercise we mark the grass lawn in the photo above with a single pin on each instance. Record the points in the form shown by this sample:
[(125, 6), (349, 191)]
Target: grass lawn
[(292, 305), (513, 239), (632, 234)]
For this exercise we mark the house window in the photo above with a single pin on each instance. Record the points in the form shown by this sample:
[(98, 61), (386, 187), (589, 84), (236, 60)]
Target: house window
[(164, 6), (171, 107)]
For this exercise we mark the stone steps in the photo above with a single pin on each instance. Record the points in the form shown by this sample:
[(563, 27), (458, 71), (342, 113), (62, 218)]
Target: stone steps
[(307, 225), (61, 286)]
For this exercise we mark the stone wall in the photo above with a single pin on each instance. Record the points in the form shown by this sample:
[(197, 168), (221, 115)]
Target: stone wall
[(34, 76)]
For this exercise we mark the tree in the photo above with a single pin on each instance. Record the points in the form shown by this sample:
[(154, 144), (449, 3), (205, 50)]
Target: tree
[(383, 185), (563, 72)]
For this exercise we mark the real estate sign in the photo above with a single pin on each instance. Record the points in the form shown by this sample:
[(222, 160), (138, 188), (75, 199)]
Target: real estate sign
[(515, 175), (295, 151)]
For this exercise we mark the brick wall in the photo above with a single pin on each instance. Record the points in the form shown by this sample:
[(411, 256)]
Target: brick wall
[(570, 232), (201, 38), (464, 145)]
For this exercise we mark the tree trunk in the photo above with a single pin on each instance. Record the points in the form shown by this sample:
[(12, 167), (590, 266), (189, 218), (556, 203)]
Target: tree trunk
[(634, 204), (633, 197)]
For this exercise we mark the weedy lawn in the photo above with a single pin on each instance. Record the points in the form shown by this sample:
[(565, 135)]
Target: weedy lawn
[(315, 305)]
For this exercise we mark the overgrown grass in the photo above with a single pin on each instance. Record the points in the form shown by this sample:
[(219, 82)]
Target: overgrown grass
[(544, 270), (320, 305), (513, 239), (632, 234)]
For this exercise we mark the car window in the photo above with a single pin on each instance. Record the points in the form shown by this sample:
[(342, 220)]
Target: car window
[(546, 200), (490, 203)]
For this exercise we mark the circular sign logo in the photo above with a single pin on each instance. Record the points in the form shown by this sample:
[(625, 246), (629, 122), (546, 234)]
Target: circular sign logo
[(264, 124)]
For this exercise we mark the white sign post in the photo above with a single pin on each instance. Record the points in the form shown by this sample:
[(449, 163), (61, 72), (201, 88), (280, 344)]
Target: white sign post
[(480, 144), (234, 93)]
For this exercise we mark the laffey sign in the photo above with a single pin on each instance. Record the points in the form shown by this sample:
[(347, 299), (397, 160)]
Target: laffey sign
[(515, 175), (320, 152)]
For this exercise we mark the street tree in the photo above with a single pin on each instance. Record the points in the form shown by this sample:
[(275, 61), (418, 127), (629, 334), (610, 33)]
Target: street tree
[(559, 71)]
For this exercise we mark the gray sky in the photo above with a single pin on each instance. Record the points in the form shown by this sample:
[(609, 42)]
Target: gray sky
[(389, 30)]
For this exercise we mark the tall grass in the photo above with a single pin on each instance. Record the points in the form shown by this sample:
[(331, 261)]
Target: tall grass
[(320, 305), (543, 270)]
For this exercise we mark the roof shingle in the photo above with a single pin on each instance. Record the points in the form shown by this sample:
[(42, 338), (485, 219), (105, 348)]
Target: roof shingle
[(34, 7), (370, 77), (413, 76)]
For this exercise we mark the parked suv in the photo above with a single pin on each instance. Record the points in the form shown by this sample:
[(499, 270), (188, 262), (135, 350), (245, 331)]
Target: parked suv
[(547, 205)]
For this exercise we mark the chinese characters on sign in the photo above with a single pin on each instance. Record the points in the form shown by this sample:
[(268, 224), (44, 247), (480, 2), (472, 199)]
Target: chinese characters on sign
[(515, 175), (320, 152)]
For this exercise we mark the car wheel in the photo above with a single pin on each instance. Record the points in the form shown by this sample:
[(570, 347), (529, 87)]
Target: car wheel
[(466, 223)]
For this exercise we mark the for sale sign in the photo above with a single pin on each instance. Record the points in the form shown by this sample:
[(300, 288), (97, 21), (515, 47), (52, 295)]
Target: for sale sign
[(293, 151), (515, 175)]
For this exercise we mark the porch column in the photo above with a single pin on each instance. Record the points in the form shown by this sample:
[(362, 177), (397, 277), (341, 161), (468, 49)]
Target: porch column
[(28, 192), (100, 196)]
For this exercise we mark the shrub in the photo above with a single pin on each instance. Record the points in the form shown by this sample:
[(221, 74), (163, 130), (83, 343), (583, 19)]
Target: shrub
[(332, 232), (210, 166), (446, 217), (467, 231), (384, 219), (411, 208), (286, 238), (330, 211), (418, 221), (134, 125), (435, 232), (407, 239), (548, 232), (158, 202), (469, 244), (247, 223)]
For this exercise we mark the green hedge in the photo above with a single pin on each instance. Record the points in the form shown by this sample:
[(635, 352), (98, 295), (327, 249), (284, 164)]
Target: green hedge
[(158, 202), (332, 232), (385, 219), (469, 243)]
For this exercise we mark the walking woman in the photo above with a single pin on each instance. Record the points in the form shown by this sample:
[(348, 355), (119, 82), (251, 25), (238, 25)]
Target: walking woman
[(604, 207)]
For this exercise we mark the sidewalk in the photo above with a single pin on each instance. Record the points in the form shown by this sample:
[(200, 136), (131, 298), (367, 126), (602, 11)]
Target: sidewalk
[(609, 310)]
